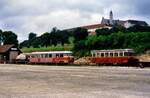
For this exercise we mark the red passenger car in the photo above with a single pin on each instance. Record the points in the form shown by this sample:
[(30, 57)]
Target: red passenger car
[(116, 56), (51, 57)]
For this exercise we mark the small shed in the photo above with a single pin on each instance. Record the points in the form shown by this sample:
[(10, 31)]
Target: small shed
[(8, 53)]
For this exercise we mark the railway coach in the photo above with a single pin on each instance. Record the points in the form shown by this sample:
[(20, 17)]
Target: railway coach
[(54, 57), (114, 57)]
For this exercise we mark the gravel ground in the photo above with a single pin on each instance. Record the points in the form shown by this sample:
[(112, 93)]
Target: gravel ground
[(25, 81)]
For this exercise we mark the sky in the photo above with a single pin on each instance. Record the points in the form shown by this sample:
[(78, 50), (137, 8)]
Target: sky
[(40, 16)]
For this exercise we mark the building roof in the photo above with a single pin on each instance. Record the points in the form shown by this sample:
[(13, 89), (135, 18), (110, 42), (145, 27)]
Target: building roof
[(94, 26), (137, 22), (5, 48)]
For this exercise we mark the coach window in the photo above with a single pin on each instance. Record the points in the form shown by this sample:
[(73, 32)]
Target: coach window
[(125, 53), (57, 55), (61, 55), (93, 54), (120, 54), (46, 55), (33, 56), (116, 54), (38, 55), (102, 54), (50, 55), (98, 54), (106, 54), (111, 54)]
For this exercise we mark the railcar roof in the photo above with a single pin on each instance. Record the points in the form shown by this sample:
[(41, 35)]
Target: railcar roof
[(115, 50), (52, 52)]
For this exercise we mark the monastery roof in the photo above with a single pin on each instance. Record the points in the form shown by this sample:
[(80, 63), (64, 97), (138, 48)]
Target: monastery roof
[(137, 22), (93, 26)]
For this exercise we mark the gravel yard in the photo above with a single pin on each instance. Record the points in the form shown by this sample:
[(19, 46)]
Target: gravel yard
[(25, 81)]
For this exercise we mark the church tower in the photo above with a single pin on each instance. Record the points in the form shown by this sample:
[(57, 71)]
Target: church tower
[(111, 17)]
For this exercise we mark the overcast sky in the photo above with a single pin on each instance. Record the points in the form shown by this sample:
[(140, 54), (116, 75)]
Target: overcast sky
[(39, 16)]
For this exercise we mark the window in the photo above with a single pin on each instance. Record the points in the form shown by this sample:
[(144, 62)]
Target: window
[(106, 54), (121, 54), (61, 55), (46, 55), (126, 54), (50, 55), (93, 54), (111, 54), (102, 54), (57, 55), (116, 54), (98, 54)]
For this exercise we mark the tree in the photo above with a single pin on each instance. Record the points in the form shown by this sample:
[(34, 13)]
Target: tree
[(54, 36), (45, 39), (80, 34), (36, 42), (25, 43), (32, 36), (10, 38), (104, 31)]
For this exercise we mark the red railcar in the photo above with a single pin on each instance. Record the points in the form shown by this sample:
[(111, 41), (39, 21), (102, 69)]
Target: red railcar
[(51, 57), (116, 56)]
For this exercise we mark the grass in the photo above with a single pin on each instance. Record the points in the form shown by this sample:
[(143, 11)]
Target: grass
[(66, 47)]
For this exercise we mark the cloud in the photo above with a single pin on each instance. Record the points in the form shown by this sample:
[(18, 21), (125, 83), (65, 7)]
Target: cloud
[(40, 16)]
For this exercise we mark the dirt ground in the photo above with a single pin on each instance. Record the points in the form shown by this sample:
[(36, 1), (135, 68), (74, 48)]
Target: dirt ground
[(25, 81)]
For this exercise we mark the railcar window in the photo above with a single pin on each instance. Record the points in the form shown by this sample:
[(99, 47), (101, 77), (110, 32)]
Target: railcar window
[(116, 54), (111, 54), (36, 55), (42, 55), (106, 54), (61, 55), (126, 54), (102, 54), (50, 55), (46, 55), (120, 54), (57, 55), (93, 54), (98, 54)]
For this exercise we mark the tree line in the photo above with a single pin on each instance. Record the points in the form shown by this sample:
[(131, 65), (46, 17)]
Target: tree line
[(136, 37), (47, 39)]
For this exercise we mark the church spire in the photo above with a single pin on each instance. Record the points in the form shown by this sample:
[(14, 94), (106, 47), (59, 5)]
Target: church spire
[(111, 17)]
